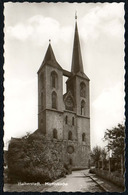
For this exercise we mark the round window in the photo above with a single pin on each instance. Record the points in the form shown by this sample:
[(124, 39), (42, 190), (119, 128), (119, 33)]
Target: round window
[(70, 149)]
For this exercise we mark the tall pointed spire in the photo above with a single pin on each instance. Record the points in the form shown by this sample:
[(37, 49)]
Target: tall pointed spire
[(49, 58), (77, 64)]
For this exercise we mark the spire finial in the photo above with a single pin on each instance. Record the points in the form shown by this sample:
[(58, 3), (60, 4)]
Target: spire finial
[(76, 15), (49, 41)]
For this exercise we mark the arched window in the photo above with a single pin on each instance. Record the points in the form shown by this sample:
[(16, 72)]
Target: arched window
[(82, 89), (83, 137), (54, 100), (42, 100), (54, 79), (82, 107), (66, 120), (69, 135), (73, 121), (54, 133)]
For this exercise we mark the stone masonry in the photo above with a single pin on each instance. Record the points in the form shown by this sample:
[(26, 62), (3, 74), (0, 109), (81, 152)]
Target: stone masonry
[(65, 117)]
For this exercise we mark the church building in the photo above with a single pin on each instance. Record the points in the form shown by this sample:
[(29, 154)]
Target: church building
[(65, 117)]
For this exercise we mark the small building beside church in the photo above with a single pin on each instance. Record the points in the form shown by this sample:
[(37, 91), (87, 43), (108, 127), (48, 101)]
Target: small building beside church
[(65, 117)]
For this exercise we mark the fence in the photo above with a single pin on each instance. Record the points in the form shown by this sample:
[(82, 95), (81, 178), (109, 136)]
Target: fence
[(112, 170)]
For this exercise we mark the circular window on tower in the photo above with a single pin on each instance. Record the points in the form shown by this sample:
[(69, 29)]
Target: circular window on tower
[(70, 149)]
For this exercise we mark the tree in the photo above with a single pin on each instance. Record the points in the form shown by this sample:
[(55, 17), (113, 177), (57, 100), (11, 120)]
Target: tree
[(115, 138), (32, 159), (98, 154)]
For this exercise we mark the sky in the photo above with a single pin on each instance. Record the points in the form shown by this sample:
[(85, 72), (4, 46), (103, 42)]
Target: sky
[(28, 28)]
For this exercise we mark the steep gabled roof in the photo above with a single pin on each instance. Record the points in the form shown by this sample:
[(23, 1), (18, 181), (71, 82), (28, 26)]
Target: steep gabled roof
[(50, 59)]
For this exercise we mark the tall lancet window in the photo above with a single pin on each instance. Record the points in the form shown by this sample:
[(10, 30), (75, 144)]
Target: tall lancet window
[(54, 133), (82, 107), (73, 121), (82, 89), (54, 78), (83, 137), (54, 100), (69, 135)]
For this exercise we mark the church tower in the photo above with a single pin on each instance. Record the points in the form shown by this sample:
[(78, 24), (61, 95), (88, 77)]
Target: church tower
[(78, 91), (65, 118), (50, 97)]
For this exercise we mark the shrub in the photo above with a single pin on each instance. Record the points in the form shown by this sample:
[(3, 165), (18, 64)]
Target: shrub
[(32, 159), (92, 170), (68, 168)]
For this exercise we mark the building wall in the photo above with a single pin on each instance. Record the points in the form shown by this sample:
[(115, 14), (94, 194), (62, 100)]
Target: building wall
[(41, 89), (79, 156), (42, 122), (42, 80), (83, 126), (75, 151), (69, 126), (45, 88), (80, 80), (58, 89), (54, 120)]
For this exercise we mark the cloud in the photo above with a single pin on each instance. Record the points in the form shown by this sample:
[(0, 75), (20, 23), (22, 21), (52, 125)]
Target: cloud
[(20, 107), (40, 29), (107, 111), (100, 19), (107, 19), (104, 18), (110, 100), (20, 31)]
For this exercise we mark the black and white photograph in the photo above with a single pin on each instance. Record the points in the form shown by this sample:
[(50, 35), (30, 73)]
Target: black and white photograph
[(64, 98)]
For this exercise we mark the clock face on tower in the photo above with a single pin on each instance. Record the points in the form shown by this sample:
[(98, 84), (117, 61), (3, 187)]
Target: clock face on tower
[(70, 149)]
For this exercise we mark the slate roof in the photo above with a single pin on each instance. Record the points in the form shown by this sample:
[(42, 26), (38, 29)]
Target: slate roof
[(50, 59), (77, 63)]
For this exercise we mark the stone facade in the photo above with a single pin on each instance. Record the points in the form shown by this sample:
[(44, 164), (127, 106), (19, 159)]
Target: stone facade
[(65, 117)]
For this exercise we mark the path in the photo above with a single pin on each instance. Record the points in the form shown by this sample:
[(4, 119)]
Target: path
[(73, 183)]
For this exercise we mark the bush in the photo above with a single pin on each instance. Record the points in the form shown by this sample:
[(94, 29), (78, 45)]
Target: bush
[(92, 170), (5, 175), (32, 159), (68, 168)]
